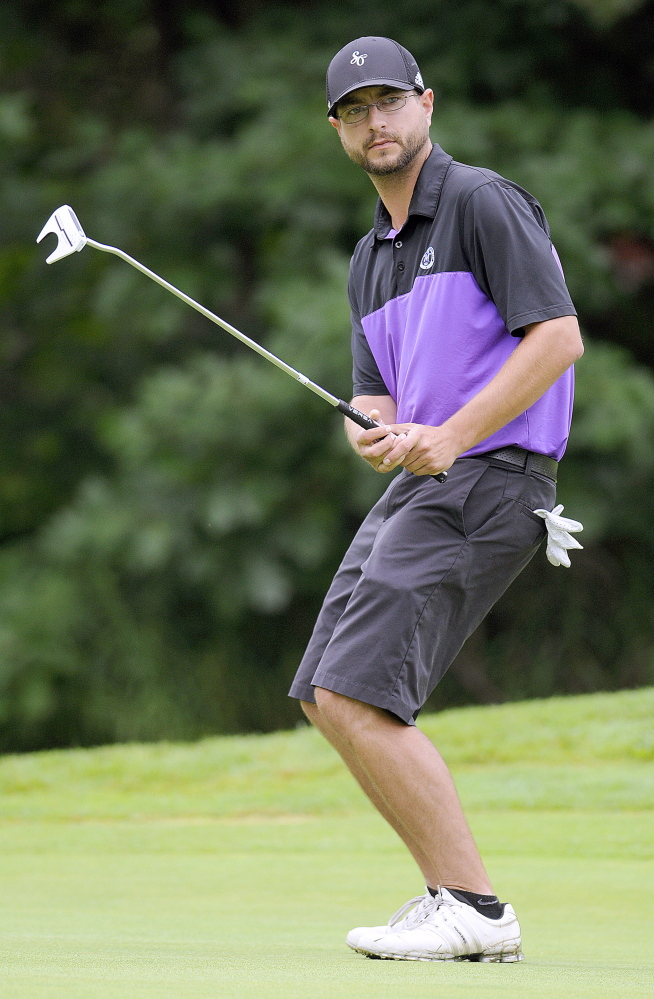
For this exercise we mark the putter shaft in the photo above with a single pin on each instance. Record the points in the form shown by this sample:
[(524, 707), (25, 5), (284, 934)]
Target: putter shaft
[(71, 238), (327, 396)]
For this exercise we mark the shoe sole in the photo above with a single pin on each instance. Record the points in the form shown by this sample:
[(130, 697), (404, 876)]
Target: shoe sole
[(509, 958)]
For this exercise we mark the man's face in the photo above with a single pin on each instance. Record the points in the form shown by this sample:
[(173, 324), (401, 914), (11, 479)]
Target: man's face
[(385, 143)]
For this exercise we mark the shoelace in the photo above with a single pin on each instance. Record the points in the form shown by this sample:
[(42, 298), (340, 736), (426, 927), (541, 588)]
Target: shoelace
[(424, 906)]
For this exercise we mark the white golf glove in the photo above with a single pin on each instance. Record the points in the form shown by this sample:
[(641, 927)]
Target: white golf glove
[(558, 536)]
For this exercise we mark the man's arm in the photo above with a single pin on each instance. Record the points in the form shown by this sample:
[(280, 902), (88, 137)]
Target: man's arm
[(546, 351)]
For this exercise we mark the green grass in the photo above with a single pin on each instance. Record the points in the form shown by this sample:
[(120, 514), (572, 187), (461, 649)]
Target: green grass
[(234, 867)]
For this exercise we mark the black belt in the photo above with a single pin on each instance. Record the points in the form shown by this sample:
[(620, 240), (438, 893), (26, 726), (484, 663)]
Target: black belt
[(527, 461)]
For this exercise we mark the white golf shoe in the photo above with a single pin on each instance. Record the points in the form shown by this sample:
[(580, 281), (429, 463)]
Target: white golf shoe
[(441, 928), (357, 937)]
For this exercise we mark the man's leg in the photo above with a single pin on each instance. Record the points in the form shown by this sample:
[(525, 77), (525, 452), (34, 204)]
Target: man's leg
[(440, 559), (408, 781), (348, 756)]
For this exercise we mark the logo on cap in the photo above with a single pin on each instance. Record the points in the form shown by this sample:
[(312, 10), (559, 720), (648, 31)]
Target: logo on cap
[(418, 80), (358, 59), (427, 259)]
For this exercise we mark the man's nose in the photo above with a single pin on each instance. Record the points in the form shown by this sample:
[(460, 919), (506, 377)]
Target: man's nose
[(376, 119)]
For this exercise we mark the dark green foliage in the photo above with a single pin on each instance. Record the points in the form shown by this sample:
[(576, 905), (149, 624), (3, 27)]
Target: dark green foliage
[(172, 508)]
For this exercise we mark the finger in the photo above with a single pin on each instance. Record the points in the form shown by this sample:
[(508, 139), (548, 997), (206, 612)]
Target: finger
[(382, 447), (372, 435), (400, 449), (390, 437), (421, 466), (383, 467), (415, 459), (392, 460), (375, 463), (379, 448), (419, 469)]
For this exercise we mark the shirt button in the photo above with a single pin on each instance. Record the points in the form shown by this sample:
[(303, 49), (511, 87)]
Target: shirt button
[(400, 266), (398, 244)]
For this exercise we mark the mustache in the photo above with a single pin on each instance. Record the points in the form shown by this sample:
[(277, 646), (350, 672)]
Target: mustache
[(389, 136)]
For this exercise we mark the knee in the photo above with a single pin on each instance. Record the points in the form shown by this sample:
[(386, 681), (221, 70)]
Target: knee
[(310, 710), (324, 714), (324, 700), (344, 714), (327, 702)]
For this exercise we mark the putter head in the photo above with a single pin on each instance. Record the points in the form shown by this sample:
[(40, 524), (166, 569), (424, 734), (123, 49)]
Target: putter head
[(70, 235)]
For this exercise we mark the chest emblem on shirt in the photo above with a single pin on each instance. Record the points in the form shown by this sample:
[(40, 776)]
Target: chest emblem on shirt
[(427, 259)]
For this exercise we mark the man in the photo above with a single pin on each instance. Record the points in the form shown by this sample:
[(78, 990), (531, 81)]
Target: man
[(463, 340)]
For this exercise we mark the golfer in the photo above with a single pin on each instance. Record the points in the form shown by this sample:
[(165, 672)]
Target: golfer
[(463, 337)]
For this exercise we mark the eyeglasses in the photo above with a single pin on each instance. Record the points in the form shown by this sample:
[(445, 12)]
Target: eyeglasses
[(359, 112)]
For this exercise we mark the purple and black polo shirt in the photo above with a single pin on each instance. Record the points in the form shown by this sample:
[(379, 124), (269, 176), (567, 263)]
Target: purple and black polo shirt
[(437, 307)]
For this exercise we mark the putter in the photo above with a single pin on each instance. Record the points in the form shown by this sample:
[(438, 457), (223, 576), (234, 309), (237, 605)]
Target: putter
[(71, 238)]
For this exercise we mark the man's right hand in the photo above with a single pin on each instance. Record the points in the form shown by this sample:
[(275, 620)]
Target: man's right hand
[(374, 445)]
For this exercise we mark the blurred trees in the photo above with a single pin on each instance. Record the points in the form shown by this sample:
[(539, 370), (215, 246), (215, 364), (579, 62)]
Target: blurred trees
[(172, 507)]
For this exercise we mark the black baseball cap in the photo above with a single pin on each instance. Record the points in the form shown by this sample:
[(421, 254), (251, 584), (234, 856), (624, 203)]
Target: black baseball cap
[(371, 61)]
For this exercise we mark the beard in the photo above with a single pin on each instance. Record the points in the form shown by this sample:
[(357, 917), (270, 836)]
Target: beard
[(409, 149)]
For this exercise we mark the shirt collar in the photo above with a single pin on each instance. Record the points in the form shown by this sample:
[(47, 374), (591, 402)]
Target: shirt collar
[(426, 193)]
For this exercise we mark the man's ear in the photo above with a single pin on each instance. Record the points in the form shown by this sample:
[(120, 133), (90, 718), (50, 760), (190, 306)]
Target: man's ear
[(427, 100), (335, 122)]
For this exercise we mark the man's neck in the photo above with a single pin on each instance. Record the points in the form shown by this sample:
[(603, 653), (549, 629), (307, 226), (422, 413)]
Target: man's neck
[(396, 189)]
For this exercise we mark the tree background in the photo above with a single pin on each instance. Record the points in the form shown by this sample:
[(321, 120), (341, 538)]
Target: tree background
[(172, 508)]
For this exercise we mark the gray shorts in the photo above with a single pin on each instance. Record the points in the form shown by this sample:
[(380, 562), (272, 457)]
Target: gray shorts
[(426, 566)]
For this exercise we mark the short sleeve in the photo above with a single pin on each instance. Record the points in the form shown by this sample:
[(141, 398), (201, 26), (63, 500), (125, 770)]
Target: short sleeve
[(507, 243), (366, 377)]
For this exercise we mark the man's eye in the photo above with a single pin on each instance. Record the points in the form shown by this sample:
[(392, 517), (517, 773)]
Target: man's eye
[(353, 112), (391, 102)]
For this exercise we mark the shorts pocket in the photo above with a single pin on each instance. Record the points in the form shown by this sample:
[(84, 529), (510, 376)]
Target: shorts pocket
[(532, 516), (484, 499), (529, 529)]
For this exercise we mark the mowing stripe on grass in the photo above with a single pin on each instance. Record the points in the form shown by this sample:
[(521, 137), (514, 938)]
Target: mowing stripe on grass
[(234, 867)]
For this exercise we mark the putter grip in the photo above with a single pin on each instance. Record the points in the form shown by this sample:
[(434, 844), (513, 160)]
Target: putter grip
[(369, 424)]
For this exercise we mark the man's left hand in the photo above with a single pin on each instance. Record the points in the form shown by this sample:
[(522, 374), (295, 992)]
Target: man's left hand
[(424, 450)]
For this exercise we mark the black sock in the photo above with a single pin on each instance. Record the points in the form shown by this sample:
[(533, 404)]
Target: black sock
[(488, 905)]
